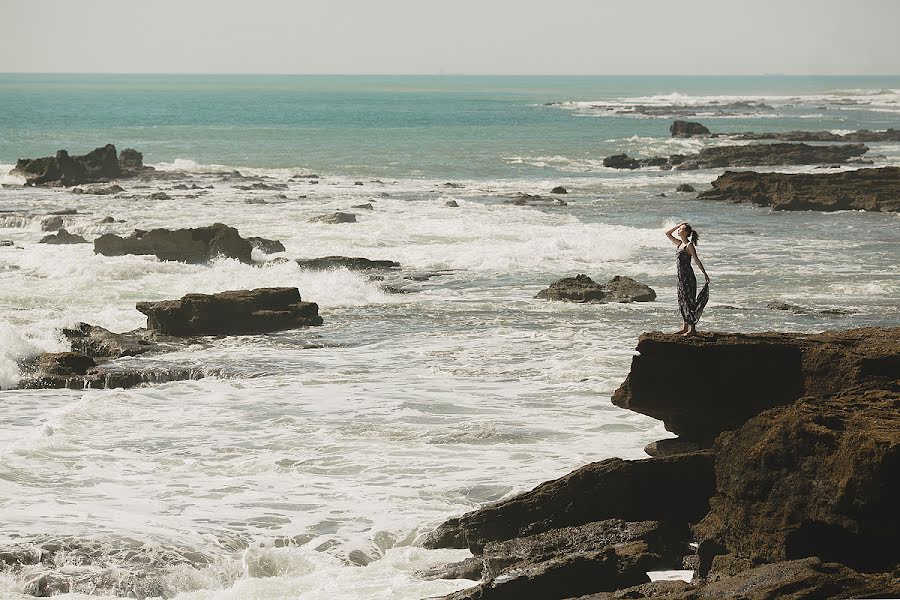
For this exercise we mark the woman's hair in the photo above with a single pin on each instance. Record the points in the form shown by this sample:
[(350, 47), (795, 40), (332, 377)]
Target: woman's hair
[(692, 234)]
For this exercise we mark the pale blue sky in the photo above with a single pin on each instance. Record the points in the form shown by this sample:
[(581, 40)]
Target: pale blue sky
[(458, 36)]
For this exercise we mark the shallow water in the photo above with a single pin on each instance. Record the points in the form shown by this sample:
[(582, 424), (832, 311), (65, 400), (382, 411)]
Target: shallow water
[(316, 451)]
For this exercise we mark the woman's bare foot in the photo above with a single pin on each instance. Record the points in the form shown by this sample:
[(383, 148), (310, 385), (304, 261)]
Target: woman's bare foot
[(680, 332), (690, 332)]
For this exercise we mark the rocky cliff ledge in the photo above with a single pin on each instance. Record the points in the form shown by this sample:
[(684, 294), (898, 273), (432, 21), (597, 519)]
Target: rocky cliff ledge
[(863, 189), (796, 498)]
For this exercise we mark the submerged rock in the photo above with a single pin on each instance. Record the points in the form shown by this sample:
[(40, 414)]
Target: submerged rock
[(862, 189), (62, 237), (235, 312), (346, 262), (559, 190), (582, 288), (334, 218), (685, 187), (196, 245)]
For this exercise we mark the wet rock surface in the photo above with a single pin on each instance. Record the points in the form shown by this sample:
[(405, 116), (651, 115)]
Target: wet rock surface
[(195, 245), (334, 218), (238, 312), (346, 262), (687, 129), (795, 499), (98, 166), (862, 189), (751, 155), (62, 237), (755, 372), (265, 245), (583, 289)]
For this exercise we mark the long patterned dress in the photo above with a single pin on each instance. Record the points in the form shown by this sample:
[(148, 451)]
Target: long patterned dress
[(690, 303)]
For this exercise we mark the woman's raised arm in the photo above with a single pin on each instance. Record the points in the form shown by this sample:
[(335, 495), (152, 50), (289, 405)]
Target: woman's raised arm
[(671, 237)]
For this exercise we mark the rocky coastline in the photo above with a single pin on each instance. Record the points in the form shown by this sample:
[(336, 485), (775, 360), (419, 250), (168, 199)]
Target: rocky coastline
[(171, 325), (862, 189), (792, 493)]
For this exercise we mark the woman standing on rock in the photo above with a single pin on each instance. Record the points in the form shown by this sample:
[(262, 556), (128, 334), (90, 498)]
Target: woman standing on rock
[(690, 303)]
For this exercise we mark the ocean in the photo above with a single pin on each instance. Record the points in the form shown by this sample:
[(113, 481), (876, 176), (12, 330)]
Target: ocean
[(309, 464)]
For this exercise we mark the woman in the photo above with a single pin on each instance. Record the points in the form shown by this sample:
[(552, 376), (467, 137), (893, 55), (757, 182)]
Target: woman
[(690, 303)]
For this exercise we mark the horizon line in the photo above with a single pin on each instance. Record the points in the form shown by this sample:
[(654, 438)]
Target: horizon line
[(441, 74)]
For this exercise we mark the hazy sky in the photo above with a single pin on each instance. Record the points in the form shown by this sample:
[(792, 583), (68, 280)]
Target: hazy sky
[(451, 36)]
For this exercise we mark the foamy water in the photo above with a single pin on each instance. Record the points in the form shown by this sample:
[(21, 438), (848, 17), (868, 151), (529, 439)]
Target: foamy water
[(313, 464)]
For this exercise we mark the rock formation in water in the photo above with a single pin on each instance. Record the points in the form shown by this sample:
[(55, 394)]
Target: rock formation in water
[(582, 288), (97, 166), (795, 499), (237, 312), (750, 155), (862, 189), (687, 129), (62, 237), (195, 245), (346, 262)]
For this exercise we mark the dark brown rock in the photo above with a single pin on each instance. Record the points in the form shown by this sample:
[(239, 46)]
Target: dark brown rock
[(100, 343), (159, 196), (265, 245), (62, 237), (346, 262), (569, 575), (863, 135), (197, 245), (612, 488), (685, 187), (582, 288), (784, 368), (805, 579), (687, 129), (235, 312), (98, 190), (334, 218), (817, 478), (621, 161), (862, 189), (753, 155), (559, 190), (64, 363), (98, 166)]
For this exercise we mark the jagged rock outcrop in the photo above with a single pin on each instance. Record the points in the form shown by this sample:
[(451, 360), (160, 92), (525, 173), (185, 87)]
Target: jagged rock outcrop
[(754, 372), (346, 262), (195, 245), (62, 237), (237, 312), (613, 488), (687, 129), (862, 189), (97, 166), (751, 155), (805, 457), (582, 288), (862, 135), (816, 478), (266, 246)]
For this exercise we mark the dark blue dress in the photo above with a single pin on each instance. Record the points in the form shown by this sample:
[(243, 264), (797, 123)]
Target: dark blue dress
[(690, 303)]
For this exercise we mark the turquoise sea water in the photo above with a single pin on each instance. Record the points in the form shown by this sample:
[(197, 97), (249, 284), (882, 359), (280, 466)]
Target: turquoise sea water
[(441, 126), (308, 464)]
